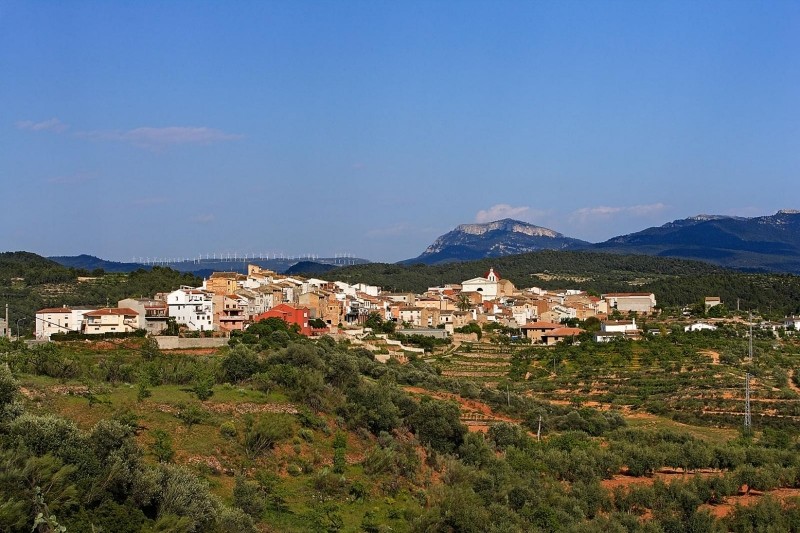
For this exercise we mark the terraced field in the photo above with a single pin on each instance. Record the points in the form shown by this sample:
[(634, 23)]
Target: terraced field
[(480, 362)]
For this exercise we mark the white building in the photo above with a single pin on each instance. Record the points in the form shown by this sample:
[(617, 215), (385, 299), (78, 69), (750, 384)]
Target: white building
[(111, 320), (487, 286), (618, 326), (617, 329), (153, 313), (638, 302), (256, 302), (411, 315), (58, 320), (792, 322), (371, 290), (700, 326), (192, 307)]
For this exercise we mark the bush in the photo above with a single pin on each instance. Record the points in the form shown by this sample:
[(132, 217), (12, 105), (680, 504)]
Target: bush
[(266, 432), (249, 498), (9, 391), (228, 429), (184, 494), (438, 424), (191, 414), (203, 385), (241, 363), (234, 521)]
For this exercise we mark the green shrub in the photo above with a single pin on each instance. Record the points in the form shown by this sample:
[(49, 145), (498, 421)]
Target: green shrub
[(266, 432), (228, 429), (191, 414), (162, 446), (249, 497)]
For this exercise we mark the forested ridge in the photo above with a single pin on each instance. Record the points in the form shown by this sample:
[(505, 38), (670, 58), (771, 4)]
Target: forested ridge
[(29, 282), (675, 282)]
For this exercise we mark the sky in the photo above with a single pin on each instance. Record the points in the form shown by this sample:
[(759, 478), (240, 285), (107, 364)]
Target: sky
[(173, 129)]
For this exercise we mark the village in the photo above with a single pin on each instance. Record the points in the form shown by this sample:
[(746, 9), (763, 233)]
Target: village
[(229, 302)]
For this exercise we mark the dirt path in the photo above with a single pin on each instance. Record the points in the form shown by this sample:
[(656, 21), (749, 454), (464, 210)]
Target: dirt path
[(724, 509), (664, 474), (712, 354), (792, 384)]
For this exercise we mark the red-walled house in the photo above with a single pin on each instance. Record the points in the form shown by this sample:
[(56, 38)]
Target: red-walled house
[(290, 315)]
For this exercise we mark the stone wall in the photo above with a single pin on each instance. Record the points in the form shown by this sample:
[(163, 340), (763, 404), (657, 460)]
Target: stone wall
[(178, 343)]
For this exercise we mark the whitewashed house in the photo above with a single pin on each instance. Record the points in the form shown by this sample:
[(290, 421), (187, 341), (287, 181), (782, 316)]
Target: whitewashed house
[(700, 326), (58, 320), (192, 307)]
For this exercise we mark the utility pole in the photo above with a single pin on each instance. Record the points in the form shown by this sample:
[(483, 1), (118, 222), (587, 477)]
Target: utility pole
[(539, 431), (748, 423), (8, 325), (750, 347)]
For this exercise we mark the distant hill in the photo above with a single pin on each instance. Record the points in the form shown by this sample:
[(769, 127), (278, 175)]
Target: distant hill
[(759, 244), (90, 262), (30, 282), (767, 243), (494, 239), (309, 268), (203, 267), (31, 269)]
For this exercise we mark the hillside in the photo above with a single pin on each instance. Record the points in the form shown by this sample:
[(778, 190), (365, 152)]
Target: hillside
[(309, 268), (494, 239), (768, 243), (283, 433), (547, 269), (90, 262), (31, 282), (28, 268)]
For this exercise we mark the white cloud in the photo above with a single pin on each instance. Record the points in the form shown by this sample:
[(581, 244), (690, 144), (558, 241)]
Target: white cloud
[(204, 219), (603, 212), (161, 137), (500, 211), (53, 125)]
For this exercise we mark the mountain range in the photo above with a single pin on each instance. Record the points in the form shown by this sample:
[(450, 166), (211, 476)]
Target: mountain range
[(766, 243), (758, 244), (494, 239)]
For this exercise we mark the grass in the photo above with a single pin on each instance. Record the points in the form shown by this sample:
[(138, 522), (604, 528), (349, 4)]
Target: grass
[(709, 434)]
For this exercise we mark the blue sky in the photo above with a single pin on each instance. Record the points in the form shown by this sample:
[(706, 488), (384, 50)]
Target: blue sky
[(171, 129)]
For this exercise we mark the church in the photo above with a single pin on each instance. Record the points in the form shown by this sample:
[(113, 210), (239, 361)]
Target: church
[(490, 286)]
